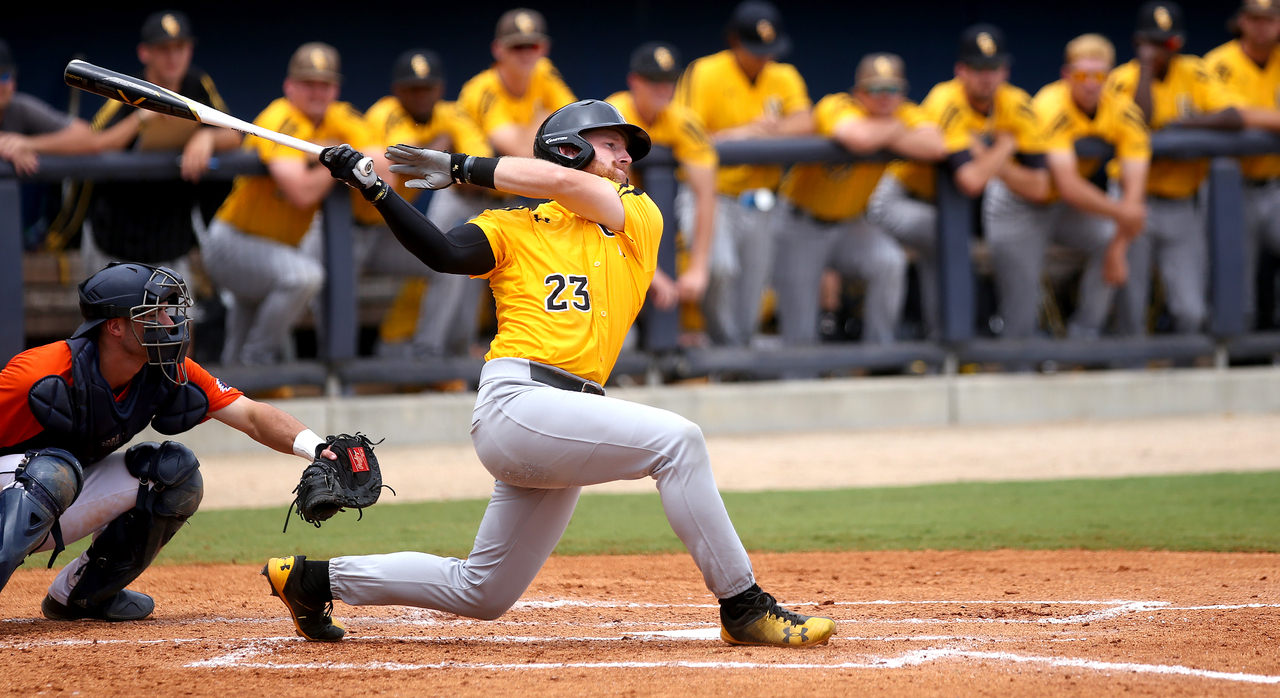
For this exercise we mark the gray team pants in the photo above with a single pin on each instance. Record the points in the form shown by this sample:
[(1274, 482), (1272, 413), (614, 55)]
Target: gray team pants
[(738, 270), (543, 445), (271, 285), (1018, 234), (1175, 238), (853, 247), (1261, 228), (914, 223)]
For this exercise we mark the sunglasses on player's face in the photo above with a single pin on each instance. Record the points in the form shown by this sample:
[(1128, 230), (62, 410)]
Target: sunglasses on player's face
[(1083, 75), (883, 90), (525, 47), (6, 77)]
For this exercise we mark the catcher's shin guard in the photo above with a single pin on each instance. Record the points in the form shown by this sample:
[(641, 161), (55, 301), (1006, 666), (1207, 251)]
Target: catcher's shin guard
[(44, 487), (170, 493)]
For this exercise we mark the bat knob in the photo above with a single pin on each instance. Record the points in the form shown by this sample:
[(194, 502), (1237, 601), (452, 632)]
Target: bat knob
[(365, 166)]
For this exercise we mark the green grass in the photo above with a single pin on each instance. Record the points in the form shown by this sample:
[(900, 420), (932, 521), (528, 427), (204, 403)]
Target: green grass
[(1227, 512)]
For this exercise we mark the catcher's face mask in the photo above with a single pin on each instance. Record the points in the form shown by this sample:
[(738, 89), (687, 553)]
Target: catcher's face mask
[(166, 328)]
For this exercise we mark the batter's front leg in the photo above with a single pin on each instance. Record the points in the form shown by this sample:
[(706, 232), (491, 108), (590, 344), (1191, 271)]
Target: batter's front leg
[(521, 527)]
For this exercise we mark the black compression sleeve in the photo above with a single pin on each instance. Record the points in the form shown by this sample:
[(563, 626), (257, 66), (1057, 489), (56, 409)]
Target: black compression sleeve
[(463, 250)]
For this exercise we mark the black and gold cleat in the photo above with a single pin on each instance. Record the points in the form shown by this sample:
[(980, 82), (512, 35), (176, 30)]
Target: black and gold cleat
[(757, 619), (313, 621)]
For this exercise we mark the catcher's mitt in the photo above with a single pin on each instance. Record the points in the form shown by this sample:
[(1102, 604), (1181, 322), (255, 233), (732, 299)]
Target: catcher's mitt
[(330, 486)]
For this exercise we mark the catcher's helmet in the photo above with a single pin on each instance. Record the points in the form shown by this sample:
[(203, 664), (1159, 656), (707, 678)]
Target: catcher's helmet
[(567, 124), (142, 292)]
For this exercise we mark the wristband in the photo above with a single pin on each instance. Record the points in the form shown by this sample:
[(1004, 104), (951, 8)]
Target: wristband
[(375, 193), (305, 443), (469, 169)]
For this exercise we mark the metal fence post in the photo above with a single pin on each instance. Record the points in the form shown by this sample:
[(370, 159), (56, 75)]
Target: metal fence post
[(1227, 248), (12, 328), (340, 320), (955, 270), (662, 327)]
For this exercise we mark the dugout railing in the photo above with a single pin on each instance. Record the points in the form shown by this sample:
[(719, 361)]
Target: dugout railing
[(1225, 338)]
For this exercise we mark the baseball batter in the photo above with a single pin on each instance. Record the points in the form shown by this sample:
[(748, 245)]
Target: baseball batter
[(66, 409), (569, 278)]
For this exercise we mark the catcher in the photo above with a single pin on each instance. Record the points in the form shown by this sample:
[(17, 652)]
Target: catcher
[(67, 408)]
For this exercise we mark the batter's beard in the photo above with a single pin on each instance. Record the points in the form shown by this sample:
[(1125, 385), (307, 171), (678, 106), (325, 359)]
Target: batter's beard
[(610, 173)]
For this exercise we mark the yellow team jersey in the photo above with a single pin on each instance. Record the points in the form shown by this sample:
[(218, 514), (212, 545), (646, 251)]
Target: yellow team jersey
[(568, 289), (839, 190), (1187, 89), (1117, 121), (486, 100), (1253, 86), (256, 205), (947, 106), (675, 127), (390, 124), (717, 90)]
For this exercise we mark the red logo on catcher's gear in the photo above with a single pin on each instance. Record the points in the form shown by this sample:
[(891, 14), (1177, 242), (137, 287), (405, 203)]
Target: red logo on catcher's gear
[(359, 464)]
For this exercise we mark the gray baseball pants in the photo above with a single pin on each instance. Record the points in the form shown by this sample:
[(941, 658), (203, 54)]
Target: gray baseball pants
[(1261, 228), (739, 268), (914, 224), (271, 284), (543, 445), (1018, 234), (1175, 238), (853, 247)]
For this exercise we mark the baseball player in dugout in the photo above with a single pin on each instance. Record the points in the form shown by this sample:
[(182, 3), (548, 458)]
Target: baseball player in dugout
[(990, 133), (152, 221), (825, 204), (649, 103), (1076, 213), (29, 127), (1250, 67), (66, 410), (569, 278), (1171, 89), (252, 247), (414, 114), (744, 93)]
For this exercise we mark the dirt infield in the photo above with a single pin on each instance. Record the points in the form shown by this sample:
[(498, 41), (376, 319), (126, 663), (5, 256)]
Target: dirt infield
[(1043, 623)]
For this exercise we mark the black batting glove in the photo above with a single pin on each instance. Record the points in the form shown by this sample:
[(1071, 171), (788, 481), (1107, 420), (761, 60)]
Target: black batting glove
[(343, 162)]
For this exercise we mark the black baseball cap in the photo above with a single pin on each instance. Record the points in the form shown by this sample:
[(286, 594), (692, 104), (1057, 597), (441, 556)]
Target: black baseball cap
[(982, 47), (166, 25), (6, 58), (758, 26), (657, 61), (1160, 21), (418, 66)]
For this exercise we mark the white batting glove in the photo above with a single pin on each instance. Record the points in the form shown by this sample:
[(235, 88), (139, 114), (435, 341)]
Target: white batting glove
[(430, 168)]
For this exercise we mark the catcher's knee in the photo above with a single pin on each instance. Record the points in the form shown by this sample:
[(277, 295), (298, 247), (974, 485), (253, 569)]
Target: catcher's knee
[(170, 479), (45, 485)]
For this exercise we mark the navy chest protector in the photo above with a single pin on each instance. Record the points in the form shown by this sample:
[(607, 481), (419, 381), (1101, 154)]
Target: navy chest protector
[(85, 418)]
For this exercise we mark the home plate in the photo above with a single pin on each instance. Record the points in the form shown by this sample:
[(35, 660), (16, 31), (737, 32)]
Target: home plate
[(687, 634)]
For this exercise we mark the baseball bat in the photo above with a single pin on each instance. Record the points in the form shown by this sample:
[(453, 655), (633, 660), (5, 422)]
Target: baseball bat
[(152, 97)]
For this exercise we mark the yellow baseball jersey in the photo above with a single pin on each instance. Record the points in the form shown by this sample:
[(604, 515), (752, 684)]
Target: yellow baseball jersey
[(389, 124), (568, 289), (486, 100), (256, 205), (839, 190), (676, 127), (947, 106), (1117, 121), (717, 90), (1187, 89), (1253, 86)]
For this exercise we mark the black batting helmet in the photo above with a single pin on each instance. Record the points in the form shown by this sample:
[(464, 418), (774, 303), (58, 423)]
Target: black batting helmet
[(142, 292), (567, 124)]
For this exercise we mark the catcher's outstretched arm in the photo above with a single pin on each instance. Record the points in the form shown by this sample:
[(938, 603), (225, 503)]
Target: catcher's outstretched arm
[(463, 250), (270, 426)]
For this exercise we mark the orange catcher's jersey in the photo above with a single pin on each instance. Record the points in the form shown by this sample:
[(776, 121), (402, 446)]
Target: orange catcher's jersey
[(1187, 89), (676, 127), (838, 190), (1254, 86), (256, 205), (388, 122), (947, 106), (568, 289), (18, 424), (717, 90), (486, 100), (1117, 121)]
